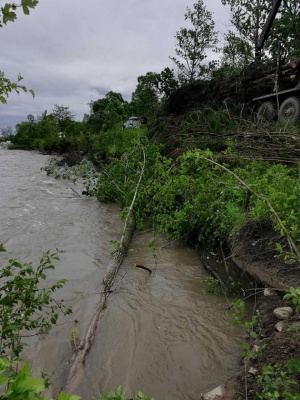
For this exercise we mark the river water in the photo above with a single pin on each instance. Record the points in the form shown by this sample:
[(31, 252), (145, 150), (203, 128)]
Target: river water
[(161, 333)]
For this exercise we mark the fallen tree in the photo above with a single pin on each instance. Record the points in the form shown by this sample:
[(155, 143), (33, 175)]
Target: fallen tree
[(77, 367)]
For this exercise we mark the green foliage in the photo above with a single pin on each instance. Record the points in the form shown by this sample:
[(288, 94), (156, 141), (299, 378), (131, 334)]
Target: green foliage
[(191, 197), (62, 116), (8, 14), (74, 337), (193, 42), (213, 285), (119, 178), (114, 143), (106, 113), (56, 131), (7, 86), (185, 198), (24, 305), (27, 308), (236, 52), (22, 385), (285, 29), (145, 99), (294, 296), (151, 92), (238, 311), (277, 381), (120, 394), (249, 17)]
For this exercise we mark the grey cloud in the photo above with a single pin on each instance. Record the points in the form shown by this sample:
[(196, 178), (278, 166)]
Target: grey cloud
[(71, 52)]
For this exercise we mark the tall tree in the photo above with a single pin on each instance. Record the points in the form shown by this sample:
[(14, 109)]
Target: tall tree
[(193, 42), (237, 52), (249, 17), (286, 30), (145, 99), (151, 91), (106, 113), (167, 82), (62, 116)]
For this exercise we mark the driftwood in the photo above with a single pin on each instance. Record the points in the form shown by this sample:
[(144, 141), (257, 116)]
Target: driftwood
[(142, 267), (77, 367)]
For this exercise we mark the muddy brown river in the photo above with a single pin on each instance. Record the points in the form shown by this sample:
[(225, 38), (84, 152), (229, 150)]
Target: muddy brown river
[(161, 333)]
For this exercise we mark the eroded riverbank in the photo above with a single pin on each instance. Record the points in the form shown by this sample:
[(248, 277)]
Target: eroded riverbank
[(161, 333)]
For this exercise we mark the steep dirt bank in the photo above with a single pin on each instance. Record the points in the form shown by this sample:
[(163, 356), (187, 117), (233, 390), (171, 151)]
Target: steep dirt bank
[(254, 251), (277, 340)]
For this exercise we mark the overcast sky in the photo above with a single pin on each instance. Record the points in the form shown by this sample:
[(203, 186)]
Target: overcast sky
[(73, 51)]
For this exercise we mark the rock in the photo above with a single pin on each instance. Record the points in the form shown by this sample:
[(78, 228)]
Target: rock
[(215, 394), (256, 348), (283, 312), (269, 292), (279, 326), (253, 371)]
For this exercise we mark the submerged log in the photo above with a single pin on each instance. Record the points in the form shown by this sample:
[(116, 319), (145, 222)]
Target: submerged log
[(76, 370)]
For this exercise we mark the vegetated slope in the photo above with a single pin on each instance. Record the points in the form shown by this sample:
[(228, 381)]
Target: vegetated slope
[(218, 115)]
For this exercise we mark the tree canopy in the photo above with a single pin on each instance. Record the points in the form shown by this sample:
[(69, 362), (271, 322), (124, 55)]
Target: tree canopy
[(193, 42), (249, 17)]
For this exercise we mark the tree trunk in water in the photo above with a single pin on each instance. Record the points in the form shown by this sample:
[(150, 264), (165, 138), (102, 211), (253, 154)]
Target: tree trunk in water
[(76, 370), (86, 343)]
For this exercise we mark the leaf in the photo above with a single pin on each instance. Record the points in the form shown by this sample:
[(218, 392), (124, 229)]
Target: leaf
[(65, 396), (3, 380), (293, 366), (7, 14), (293, 291), (32, 92), (4, 363), (16, 264), (253, 334), (26, 4), (11, 328), (25, 10)]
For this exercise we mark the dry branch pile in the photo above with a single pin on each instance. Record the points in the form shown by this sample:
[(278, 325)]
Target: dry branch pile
[(254, 80), (217, 113)]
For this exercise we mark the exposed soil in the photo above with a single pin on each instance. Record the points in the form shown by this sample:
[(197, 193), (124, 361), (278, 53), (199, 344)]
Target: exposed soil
[(254, 250)]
